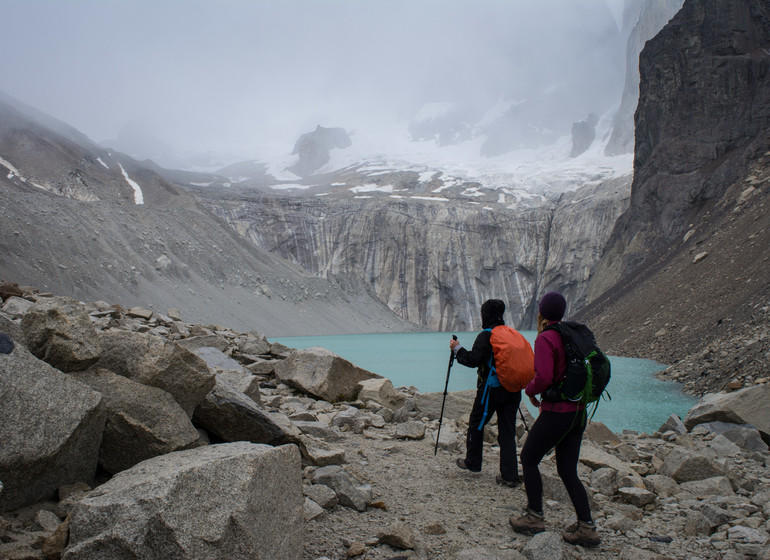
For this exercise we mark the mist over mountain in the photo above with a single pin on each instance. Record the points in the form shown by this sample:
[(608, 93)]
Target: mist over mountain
[(252, 77)]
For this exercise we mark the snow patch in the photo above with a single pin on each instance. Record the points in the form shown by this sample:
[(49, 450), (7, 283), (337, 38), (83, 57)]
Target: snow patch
[(138, 195), (433, 198), (103, 164), (288, 186), (371, 187)]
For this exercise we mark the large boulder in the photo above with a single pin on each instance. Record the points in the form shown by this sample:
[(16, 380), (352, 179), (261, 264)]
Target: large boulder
[(234, 501), (747, 406), (381, 390), (323, 374), (151, 360), (59, 332), (50, 429), (142, 421), (686, 466), (232, 416)]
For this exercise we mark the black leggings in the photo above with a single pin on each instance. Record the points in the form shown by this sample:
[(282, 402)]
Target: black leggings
[(564, 431)]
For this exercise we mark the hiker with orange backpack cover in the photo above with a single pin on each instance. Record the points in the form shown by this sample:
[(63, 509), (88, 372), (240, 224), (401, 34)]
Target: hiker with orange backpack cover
[(491, 396), (560, 424)]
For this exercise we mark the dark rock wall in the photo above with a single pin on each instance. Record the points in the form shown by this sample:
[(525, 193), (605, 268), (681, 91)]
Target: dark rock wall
[(703, 115)]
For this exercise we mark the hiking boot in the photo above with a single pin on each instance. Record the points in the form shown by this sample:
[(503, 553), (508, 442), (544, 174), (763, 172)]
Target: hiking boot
[(531, 523), (582, 533), (463, 465), (510, 483)]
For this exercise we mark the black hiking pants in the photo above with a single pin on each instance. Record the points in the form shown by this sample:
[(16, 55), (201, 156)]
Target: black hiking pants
[(564, 431), (504, 404)]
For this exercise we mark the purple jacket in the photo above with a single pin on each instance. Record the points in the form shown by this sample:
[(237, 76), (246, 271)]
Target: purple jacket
[(550, 365)]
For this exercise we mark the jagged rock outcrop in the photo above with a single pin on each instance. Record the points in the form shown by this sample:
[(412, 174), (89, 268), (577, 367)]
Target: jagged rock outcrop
[(685, 260), (583, 135), (704, 110), (313, 148), (653, 15)]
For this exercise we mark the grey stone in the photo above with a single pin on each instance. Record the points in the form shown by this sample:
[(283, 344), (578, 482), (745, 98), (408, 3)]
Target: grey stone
[(311, 509), (457, 404), (685, 466), (321, 373), (193, 343), (398, 535), (47, 520), (479, 553), (350, 491), (153, 361), (380, 390), (59, 332), (661, 485), (215, 358), (723, 447), (50, 428), (317, 429), (716, 515), (142, 421), (674, 424), (604, 480), (237, 500), (747, 406), (544, 546), (243, 381), (321, 454), (410, 430), (744, 436), (254, 344), (638, 497), (232, 416), (696, 524), (598, 432), (713, 486), (17, 306), (322, 495)]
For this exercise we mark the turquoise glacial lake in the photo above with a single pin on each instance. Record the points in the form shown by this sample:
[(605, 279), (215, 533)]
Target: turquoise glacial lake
[(639, 400)]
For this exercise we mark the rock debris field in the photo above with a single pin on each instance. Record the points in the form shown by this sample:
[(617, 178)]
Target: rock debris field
[(278, 453)]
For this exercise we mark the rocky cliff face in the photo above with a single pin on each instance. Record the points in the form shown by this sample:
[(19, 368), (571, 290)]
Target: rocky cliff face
[(653, 16), (687, 265), (433, 260), (703, 115)]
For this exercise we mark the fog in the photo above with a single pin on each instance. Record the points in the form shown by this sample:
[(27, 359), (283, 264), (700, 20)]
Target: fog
[(249, 77)]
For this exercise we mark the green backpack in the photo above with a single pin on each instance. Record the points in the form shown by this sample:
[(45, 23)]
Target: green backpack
[(588, 368)]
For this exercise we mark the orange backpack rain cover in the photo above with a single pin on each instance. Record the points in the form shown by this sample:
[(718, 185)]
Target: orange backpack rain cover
[(514, 358)]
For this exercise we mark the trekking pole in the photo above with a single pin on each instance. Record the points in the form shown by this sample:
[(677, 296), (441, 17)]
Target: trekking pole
[(443, 402), (523, 419)]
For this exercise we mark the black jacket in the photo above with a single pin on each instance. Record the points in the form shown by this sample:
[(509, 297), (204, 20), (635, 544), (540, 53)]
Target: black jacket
[(479, 355)]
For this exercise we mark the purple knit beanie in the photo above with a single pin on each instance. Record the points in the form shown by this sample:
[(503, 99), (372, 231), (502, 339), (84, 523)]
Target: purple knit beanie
[(552, 306)]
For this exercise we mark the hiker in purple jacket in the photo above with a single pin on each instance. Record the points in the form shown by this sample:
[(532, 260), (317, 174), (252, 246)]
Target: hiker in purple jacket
[(560, 425)]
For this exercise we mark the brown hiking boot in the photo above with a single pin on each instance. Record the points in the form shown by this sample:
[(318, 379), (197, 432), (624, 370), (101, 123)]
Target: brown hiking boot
[(582, 533), (531, 523)]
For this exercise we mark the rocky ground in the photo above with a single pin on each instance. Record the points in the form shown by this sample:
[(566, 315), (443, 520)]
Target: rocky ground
[(690, 490)]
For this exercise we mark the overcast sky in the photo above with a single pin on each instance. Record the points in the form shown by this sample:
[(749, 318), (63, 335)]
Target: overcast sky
[(240, 74)]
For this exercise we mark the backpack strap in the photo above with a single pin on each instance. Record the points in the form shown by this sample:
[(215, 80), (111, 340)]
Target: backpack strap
[(492, 381)]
